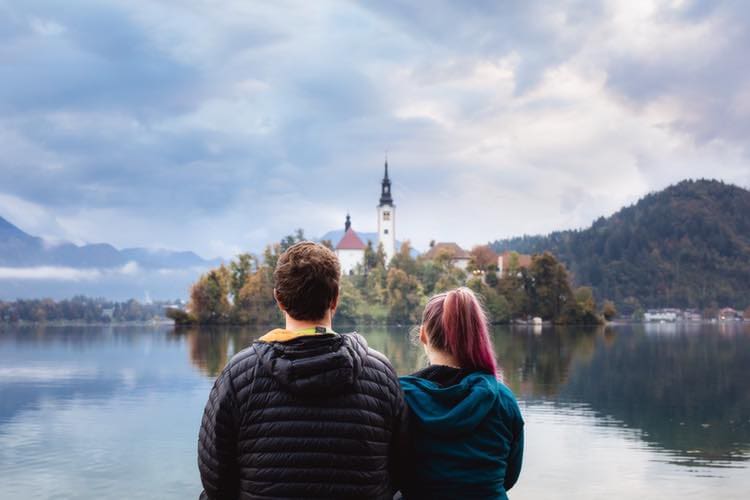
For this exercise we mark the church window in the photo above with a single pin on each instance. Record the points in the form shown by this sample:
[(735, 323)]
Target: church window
[(385, 231), (386, 215)]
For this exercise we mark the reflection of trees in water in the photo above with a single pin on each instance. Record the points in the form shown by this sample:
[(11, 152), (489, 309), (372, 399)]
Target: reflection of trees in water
[(396, 345), (210, 347), (686, 391), (537, 363)]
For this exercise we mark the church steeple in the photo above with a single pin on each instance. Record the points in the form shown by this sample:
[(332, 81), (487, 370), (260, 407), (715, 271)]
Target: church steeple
[(348, 223), (385, 188)]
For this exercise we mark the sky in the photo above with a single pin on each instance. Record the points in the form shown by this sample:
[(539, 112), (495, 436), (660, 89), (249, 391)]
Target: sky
[(219, 127)]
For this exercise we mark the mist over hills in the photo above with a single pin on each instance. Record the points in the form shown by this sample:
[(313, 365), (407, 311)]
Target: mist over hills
[(685, 246), (33, 267)]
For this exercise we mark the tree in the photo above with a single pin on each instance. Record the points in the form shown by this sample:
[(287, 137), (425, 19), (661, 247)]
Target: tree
[(585, 298), (291, 239), (482, 258), (240, 269), (256, 303), (550, 289), (349, 304), (209, 297), (609, 311), (404, 296), (403, 259), (372, 259), (496, 305)]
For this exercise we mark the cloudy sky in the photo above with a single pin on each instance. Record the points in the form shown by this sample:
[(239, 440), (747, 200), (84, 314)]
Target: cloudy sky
[(221, 126)]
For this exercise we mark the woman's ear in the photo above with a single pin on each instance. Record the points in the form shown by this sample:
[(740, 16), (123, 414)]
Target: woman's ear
[(422, 335)]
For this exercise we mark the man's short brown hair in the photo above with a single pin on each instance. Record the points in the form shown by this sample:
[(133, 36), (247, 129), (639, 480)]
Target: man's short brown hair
[(306, 280)]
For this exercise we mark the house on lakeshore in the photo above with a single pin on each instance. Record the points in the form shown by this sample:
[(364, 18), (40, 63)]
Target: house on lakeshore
[(351, 249), (661, 315), (458, 257), (729, 314)]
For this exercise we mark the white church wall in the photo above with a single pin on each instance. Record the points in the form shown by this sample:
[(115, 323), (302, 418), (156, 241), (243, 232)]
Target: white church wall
[(349, 259)]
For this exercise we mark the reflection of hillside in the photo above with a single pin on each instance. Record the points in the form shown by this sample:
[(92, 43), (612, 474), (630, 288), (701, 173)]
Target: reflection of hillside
[(686, 391), (537, 364)]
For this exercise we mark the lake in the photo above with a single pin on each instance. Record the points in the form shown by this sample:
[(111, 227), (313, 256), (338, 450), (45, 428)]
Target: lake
[(647, 411)]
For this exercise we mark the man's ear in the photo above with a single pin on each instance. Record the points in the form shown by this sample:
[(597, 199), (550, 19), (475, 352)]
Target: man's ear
[(334, 303), (278, 302), (422, 335)]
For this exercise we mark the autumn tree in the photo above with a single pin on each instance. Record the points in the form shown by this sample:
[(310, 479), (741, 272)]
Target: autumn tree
[(609, 311), (483, 258), (209, 297), (256, 303)]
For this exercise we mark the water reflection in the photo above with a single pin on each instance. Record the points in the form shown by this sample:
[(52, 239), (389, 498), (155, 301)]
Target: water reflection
[(682, 388), (102, 409)]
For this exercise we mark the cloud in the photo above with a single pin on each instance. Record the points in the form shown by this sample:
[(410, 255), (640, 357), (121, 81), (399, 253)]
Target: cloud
[(60, 273), (219, 130)]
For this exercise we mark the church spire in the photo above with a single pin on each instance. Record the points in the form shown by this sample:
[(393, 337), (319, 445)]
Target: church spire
[(348, 223), (385, 188)]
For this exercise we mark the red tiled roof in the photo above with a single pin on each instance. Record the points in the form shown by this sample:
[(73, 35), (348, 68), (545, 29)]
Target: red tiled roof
[(350, 241)]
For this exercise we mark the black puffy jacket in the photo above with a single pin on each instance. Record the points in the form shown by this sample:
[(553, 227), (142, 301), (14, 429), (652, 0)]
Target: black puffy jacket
[(314, 417)]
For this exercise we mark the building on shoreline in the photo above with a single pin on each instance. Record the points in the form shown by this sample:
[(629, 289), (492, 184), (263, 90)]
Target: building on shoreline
[(459, 257), (351, 249)]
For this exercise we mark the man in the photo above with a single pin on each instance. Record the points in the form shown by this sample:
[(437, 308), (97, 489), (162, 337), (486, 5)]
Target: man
[(304, 412)]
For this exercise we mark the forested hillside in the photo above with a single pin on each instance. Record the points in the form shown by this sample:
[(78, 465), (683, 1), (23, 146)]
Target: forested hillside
[(685, 246)]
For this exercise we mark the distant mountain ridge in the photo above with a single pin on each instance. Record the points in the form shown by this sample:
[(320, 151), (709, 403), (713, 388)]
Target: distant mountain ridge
[(20, 249), (685, 246)]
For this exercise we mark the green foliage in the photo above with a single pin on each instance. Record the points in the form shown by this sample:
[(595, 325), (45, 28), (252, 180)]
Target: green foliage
[(180, 317), (497, 305), (243, 292), (550, 290), (240, 270), (403, 260), (405, 296), (687, 246), (80, 309)]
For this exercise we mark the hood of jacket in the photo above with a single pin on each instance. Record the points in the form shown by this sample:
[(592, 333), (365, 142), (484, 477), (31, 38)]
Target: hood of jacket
[(452, 410), (314, 365)]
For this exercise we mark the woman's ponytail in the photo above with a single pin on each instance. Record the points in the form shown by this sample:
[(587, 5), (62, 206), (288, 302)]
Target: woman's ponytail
[(456, 323)]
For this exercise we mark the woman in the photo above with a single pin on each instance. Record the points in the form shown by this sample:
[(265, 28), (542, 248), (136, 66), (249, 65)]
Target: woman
[(465, 427)]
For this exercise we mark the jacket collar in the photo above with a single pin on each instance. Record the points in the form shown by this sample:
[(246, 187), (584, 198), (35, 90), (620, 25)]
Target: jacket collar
[(283, 335)]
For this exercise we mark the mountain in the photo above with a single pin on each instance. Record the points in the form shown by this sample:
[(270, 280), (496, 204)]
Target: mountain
[(31, 267), (19, 249), (685, 246)]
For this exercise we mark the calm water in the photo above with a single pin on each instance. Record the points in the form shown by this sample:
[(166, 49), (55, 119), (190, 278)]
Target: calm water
[(112, 412)]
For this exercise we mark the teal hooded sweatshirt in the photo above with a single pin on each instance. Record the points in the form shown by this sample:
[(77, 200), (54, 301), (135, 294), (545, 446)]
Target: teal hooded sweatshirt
[(465, 440)]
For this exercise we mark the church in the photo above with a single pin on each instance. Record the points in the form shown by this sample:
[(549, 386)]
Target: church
[(351, 249)]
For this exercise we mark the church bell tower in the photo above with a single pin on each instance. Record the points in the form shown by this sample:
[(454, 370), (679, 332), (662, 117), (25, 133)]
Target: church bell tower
[(387, 218)]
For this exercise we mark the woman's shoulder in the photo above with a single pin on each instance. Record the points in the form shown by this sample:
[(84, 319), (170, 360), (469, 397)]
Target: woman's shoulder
[(507, 401)]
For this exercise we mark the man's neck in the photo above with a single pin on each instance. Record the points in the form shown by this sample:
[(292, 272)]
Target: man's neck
[(295, 324)]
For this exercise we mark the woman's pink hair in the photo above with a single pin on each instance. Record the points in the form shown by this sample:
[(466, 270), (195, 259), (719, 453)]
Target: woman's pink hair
[(455, 323)]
